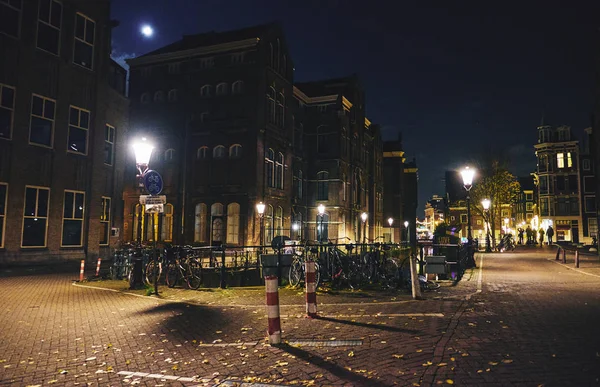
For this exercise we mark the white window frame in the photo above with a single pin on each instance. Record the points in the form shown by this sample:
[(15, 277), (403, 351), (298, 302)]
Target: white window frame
[(72, 217), (169, 154), (279, 170), (31, 115), (206, 91), (11, 109), (202, 153), (91, 68), (592, 221), (201, 212), (3, 216), (78, 126), (219, 152), (105, 218), (110, 141), (237, 87), (233, 223), (19, 24), (560, 160), (235, 151), (172, 96), (36, 215), (49, 24), (222, 89)]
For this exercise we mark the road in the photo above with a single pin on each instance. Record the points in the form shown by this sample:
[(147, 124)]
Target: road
[(519, 319)]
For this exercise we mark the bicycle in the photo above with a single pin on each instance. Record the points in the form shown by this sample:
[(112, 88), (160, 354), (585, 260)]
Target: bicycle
[(405, 278), (338, 267), (182, 266), (297, 274), (154, 267)]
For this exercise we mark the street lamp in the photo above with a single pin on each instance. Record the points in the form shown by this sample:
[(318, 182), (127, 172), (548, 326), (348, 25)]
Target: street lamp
[(260, 209), (467, 177), (142, 150), (364, 217), (406, 224), (321, 209), (486, 206), (390, 222)]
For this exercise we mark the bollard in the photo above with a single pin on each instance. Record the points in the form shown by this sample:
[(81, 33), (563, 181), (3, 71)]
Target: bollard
[(557, 254), (81, 270), (274, 327), (564, 255), (98, 267), (576, 258), (311, 290), (416, 286)]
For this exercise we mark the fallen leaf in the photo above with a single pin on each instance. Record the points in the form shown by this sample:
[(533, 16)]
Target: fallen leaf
[(442, 364), (398, 356), (419, 350), (351, 354), (507, 361), (493, 363), (449, 381)]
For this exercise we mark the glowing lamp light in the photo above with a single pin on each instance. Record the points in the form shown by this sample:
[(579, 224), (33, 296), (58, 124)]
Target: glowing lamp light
[(364, 216), (260, 208), (143, 151), (390, 221), (506, 220), (467, 177), (486, 204), (406, 223), (295, 226), (321, 209)]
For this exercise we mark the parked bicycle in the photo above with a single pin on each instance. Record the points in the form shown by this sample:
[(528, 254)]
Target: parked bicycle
[(302, 254), (182, 265), (379, 268)]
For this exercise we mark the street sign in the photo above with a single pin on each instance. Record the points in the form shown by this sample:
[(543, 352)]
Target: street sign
[(154, 208), (153, 182), (151, 200)]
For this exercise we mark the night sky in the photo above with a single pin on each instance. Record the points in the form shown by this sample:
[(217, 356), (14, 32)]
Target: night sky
[(454, 77)]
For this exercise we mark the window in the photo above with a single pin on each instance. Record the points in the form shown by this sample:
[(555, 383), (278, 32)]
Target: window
[(79, 124), (271, 105), (109, 144), (590, 204), (280, 109), (270, 167), (105, 221), (166, 232), (588, 184), (323, 142), (3, 205), (279, 163), (543, 185), (200, 223), (573, 183), (72, 226), (586, 164), (169, 154), (575, 206), (205, 91), (528, 196), (10, 17), (206, 63), (463, 218), (235, 151), (146, 71), (560, 160), (544, 207), (237, 87), (172, 95), (204, 117), (84, 41), (174, 68), (279, 221), (159, 96), (528, 206), (233, 223), (453, 218), (35, 217), (592, 227), (323, 185), (237, 58), (569, 160), (222, 89), (219, 152), (216, 210), (268, 232), (41, 131), (298, 184), (48, 26), (7, 108), (145, 98), (201, 153), (479, 222)]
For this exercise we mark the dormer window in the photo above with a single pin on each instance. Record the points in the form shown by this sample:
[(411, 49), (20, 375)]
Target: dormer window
[(159, 96), (222, 89), (237, 87), (237, 58), (206, 91)]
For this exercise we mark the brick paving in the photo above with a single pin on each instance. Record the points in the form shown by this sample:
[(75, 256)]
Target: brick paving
[(533, 323)]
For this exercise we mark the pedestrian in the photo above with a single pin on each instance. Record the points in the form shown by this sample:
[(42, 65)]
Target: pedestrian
[(541, 232), (529, 233), (521, 231), (550, 234)]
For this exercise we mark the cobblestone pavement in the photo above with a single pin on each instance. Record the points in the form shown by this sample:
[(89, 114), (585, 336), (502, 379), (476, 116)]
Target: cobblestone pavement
[(519, 319)]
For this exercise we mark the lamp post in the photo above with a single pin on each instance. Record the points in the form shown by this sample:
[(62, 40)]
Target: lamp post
[(391, 222), (364, 217), (321, 211), (260, 209), (406, 224), (142, 150), (486, 207), (467, 177)]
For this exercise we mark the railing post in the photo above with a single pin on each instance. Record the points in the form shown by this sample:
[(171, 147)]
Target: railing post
[(223, 271)]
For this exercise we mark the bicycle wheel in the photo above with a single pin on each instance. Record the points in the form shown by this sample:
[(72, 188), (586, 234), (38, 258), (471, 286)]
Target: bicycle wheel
[(296, 275), (391, 277), (354, 274), (317, 275), (194, 274), (338, 276), (431, 285), (172, 274), (151, 268)]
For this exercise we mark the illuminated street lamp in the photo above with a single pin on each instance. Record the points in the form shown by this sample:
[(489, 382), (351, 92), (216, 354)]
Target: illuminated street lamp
[(406, 224), (364, 216), (467, 176), (142, 150), (391, 222), (260, 209), (321, 210), (486, 207)]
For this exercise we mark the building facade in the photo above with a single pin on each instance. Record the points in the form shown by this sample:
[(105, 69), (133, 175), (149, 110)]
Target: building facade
[(589, 209), (232, 129), (559, 182), (435, 209), (525, 208), (63, 116)]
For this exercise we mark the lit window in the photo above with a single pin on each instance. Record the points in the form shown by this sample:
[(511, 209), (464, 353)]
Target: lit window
[(35, 217), (560, 160), (235, 151), (109, 144), (48, 26), (42, 121), (11, 17), (569, 160), (3, 204), (200, 223), (84, 41), (72, 227), (219, 152), (167, 223), (278, 221), (105, 221), (79, 125), (7, 107), (233, 223), (222, 89)]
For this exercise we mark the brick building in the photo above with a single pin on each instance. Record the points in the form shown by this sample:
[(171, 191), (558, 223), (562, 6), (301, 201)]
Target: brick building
[(231, 129), (63, 115)]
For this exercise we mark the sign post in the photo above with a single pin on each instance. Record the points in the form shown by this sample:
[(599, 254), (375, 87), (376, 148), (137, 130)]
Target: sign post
[(154, 203)]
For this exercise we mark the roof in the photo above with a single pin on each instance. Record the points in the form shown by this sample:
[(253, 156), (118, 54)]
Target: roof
[(328, 86), (212, 38)]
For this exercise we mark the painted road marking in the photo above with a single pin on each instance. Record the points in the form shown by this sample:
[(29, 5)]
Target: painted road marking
[(324, 343), (205, 381), (369, 315)]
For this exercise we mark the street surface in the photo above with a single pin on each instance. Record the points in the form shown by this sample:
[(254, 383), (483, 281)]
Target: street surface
[(519, 319)]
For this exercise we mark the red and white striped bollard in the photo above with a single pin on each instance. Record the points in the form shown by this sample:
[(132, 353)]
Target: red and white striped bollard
[(311, 290), (98, 267), (274, 327), (81, 270)]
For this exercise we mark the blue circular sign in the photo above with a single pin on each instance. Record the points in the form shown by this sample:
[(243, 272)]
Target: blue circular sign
[(153, 182)]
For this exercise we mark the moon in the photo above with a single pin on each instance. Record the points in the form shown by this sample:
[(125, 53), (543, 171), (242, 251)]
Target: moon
[(147, 30)]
